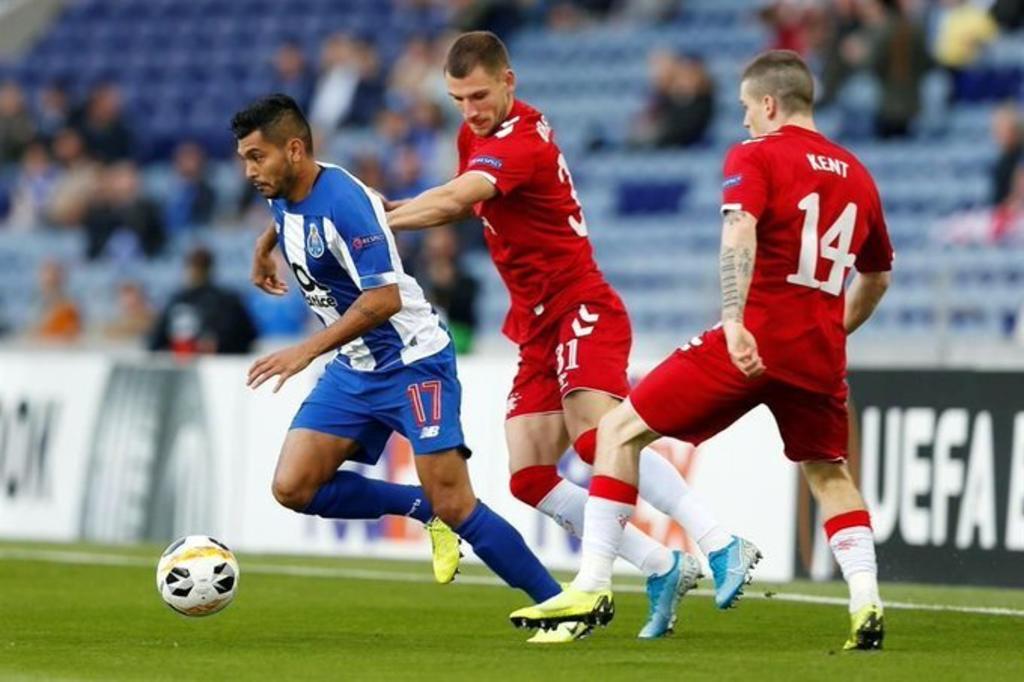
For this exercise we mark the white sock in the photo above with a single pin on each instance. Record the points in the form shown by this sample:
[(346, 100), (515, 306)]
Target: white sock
[(565, 503), (854, 550), (665, 489), (646, 553), (606, 522)]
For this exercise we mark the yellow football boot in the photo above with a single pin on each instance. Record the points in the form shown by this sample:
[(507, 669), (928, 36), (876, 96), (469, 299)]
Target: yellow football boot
[(444, 548), (563, 633), (867, 629), (569, 605)]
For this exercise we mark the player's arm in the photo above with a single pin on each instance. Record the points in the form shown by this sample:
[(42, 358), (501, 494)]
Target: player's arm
[(874, 269), (736, 269), (863, 296), (373, 308), (444, 204), (264, 268)]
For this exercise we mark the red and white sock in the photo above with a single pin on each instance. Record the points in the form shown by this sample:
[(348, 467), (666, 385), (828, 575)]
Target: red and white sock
[(610, 506), (541, 487), (665, 489), (853, 545)]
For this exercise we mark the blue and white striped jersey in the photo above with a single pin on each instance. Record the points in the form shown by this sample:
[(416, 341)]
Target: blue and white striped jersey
[(338, 244)]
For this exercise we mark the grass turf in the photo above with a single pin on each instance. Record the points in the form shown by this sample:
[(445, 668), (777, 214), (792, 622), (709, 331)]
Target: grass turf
[(62, 621)]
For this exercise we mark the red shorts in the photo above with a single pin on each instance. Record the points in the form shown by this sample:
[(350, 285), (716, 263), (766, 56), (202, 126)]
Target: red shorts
[(586, 349), (697, 392)]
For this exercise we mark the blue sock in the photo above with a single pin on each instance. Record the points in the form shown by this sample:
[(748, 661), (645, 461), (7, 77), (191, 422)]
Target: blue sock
[(351, 496), (503, 549)]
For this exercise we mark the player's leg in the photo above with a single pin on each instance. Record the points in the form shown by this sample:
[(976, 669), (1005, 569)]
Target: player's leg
[(592, 358), (535, 443), (330, 428), (445, 478), (333, 426), (423, 402), (656, 406), (307, 480), (814, 429), (536, 436), (660, 483), (611, 504)]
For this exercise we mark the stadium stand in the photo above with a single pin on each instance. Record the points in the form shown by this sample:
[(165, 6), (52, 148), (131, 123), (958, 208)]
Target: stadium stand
[(183, 68)]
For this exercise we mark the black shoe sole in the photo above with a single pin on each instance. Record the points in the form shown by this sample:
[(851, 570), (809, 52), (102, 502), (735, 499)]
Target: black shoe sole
[(602, 614)]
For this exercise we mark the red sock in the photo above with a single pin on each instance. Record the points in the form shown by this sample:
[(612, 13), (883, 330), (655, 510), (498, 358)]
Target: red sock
[(613, 489), (586, 445), (532, 484), (852, 519)]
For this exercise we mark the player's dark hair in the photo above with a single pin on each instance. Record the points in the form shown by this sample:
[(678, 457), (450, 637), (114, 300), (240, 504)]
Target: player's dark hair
[(278, 117), (784, 75), (473, 49)]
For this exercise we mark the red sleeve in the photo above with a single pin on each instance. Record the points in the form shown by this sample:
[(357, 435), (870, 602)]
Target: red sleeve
[(744, 181), (507, 161), (463, 147)]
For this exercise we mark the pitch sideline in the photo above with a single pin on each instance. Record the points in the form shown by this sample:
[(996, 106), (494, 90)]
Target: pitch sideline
[(93, 559)]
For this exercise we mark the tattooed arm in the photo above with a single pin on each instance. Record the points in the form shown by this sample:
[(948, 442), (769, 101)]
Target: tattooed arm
[(736, 269), (372, 309)]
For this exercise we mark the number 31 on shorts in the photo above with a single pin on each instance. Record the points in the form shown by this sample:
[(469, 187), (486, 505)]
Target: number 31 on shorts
[(567, 355)]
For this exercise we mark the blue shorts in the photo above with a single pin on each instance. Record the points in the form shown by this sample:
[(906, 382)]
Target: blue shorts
[(421, 401)]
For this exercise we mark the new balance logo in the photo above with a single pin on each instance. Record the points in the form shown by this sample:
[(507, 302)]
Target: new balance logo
[(430, 432)]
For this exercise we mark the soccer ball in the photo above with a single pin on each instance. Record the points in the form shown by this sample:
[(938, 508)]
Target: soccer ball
[(197, 575)]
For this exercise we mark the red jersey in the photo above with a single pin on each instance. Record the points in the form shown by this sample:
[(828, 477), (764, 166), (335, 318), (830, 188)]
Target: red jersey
[(534, 226), (818, 214)]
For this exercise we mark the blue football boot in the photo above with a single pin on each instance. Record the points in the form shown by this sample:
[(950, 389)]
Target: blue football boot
[(731, 567), (664, 593)]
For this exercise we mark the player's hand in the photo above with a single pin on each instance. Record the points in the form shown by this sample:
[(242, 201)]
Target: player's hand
[(394, 204), (264, 274), (283, 364), (743, 350)]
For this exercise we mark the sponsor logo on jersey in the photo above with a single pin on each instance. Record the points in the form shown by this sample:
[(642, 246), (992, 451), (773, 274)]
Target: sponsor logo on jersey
[(320, 300), (430, 432), (314, 242), (486, 161), (732, 181), (360, 243)]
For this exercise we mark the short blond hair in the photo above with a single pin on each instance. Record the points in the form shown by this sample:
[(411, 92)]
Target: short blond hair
[(784, 75)]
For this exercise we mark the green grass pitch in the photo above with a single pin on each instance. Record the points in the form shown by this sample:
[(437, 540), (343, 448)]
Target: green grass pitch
[(81, 621)]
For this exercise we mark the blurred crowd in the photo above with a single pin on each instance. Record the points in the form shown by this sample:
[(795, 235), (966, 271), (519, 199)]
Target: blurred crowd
[(891, 67)]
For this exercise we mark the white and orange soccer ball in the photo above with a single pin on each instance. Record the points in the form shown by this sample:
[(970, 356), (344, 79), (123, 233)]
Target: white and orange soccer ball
[(197, 575)]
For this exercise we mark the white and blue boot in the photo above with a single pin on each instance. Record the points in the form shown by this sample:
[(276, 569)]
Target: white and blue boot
[(664, 593), (731, 567)]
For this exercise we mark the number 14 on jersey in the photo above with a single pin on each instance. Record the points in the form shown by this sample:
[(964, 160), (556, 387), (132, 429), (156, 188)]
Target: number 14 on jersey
[(834, 246)]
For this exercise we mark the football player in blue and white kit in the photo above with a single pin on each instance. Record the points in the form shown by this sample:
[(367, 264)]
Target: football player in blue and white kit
[(394, 363)]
